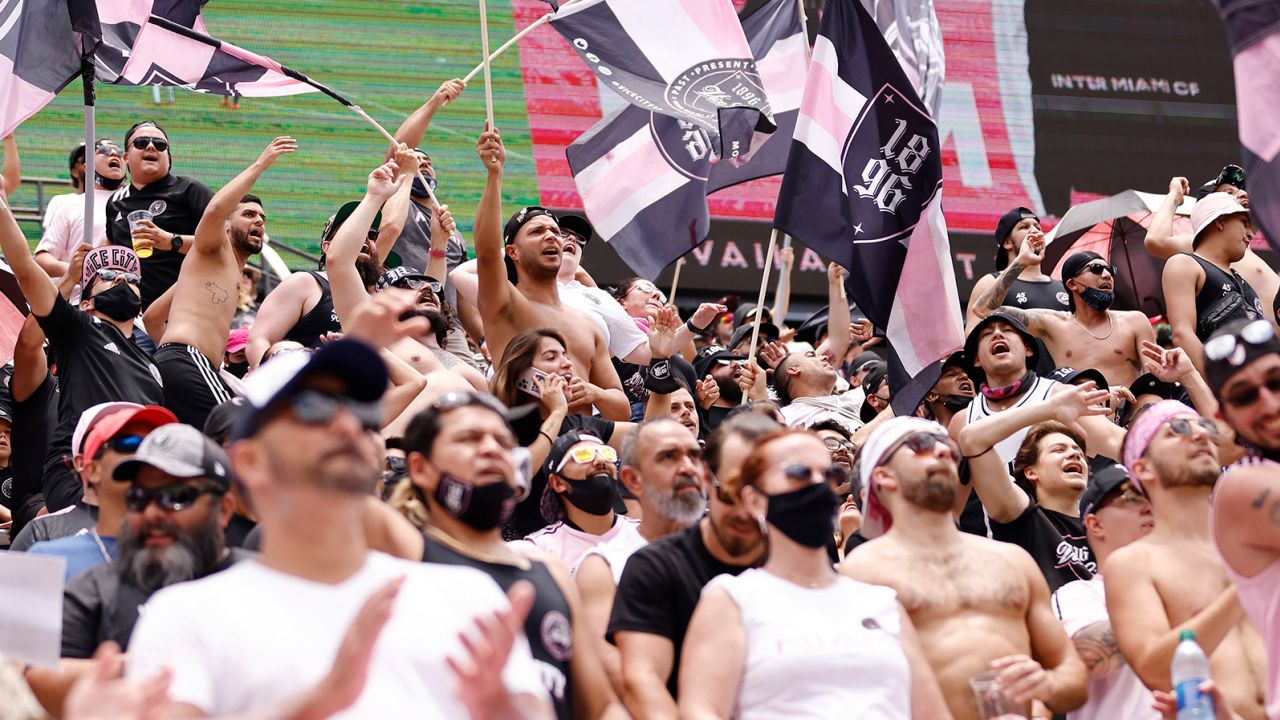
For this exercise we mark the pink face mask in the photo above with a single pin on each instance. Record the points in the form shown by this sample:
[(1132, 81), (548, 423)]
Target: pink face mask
[(642, 323)]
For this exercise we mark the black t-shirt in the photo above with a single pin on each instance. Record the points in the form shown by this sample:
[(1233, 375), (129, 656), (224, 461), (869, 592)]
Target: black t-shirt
[(96, 364), (712, 417), (528, 515), (660, 586), (237, 531), (71, 520), (1056, 542), (98, 605), (549, 627), (177, 203), (33, 422), (632, 377)]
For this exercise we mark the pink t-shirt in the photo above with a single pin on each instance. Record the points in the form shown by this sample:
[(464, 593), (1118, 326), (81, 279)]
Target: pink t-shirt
[(569, 544), (1119, 694)]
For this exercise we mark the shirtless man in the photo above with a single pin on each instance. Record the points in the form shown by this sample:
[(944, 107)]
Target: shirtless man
[(201, 303), (533, 244), (1089, 334), (969, 621), (1163, 244), (1173, 579)]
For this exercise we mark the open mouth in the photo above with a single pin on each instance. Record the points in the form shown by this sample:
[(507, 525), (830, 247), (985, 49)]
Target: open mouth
[(999, 347), (256, 232), (113, 163), (1073, 466)]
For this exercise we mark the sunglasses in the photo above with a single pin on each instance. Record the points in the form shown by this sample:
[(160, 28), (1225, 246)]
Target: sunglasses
[(417, 284), (1221, 348), (1127, 497), (835, 443), (141, 143), (921, 443), (168, 499), (109, 150), (587, 453), (648, 288), (312, 407), (1099, 268), (111, 275), (464, 398), (123, 444), (1185, 427), (799, 472)]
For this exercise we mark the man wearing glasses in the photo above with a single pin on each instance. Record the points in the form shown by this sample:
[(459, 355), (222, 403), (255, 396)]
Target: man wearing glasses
[(64, 229), (978, 605), (1243, 362), (1174, 579), (177, 506), (175, 204), (1089, 333), (199, 307)]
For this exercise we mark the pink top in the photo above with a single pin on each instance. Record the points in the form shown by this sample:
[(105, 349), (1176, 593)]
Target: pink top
[(569, 544)]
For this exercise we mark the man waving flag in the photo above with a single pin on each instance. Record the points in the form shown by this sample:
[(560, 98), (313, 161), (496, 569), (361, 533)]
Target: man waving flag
[(688, 59), (863, 187)]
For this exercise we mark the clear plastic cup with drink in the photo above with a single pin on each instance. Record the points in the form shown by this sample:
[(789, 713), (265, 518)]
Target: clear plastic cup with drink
[(992, 702), (142, 246)]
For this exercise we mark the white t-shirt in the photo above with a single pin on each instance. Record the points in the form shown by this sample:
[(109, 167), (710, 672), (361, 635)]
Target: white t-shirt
[(250, 636), (803, 412), (1120, 694), (616, 551), (833, 652), (619, 328), (55, 205), (64, 224), (568, 543)]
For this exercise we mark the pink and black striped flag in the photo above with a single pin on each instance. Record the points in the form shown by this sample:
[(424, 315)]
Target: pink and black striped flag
[(39, 54), (863, 187), (1254, 31), (644, 176), (688, 59)]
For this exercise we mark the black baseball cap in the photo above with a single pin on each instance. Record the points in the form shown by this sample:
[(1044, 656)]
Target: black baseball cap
[(1234, 346), (709, 356), (181, 451), (877, 374), (768, 332), (1069, 376), (522, 216), (403, 272), (335, 221), (222, 418), (971, 343), (1229, 175), (1103, 481), (576, 224), (1148, 384), (1007, 223)]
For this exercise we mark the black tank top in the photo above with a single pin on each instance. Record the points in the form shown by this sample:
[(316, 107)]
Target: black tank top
[(1217, 285), (549, 626), (320, 320)]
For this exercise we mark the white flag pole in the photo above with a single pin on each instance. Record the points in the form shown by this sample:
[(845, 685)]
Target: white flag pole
[(484, 47), (507, 45), (764, 285), (675, 281), (392, 138)]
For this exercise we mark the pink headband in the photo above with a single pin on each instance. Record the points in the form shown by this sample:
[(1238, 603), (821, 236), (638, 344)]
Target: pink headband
[(1144, 430)]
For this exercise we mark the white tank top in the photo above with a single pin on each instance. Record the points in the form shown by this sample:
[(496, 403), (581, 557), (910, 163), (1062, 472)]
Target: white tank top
[(1260, 598), (833, 652), (1007, 449)]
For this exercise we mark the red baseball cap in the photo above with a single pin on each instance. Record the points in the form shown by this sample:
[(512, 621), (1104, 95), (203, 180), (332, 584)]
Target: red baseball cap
[(152, 416)]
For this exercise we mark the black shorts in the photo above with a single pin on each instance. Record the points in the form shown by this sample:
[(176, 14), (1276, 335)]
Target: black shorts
[(192, 386)]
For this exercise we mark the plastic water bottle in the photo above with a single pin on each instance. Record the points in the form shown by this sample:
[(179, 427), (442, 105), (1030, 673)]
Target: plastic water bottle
[(1190, 668)]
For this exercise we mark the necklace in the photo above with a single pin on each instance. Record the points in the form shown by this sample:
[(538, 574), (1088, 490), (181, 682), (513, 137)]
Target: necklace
[(1110, 327), (812, 584), (106, 557)]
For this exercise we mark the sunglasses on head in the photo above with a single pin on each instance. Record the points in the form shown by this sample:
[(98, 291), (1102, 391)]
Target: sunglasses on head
[(111, 275), (1258, 332), (1185, 427), (464, 398), (313, 407), (648, 288), (588, 453), (124, 444), (108, 150), (169, 499), (141, 143), (799, 472), (921, 443)]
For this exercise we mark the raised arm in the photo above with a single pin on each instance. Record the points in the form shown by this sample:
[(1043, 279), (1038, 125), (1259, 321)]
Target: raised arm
[(993, 295), (442, 228), (414, 127), (211, 233), (1180, 281), (782, 295), (838, 317), (12, 165), (36, 284), (495, 291), (344, 281), (1160, 240)]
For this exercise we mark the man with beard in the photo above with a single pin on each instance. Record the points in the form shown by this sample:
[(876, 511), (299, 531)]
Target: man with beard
[(176, 205), (661, 585), (1243, 362), (266, 629), (998, 619), (1089, 334), (64, 231), (178, 506), (97, 359), (200, 305), (1174, 579), (580, 500), (806, 383), (518, 288), (722, 367)]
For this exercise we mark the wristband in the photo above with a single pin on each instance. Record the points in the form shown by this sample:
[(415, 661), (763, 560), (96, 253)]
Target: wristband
[(700, 332), (548, 437), (659, 378), (436, 253)]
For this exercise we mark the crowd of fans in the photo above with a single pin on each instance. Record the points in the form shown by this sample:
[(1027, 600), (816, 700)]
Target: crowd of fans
[(413, 483)]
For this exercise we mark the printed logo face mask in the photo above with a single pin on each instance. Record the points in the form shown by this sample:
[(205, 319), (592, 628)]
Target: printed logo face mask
[(482, 507)]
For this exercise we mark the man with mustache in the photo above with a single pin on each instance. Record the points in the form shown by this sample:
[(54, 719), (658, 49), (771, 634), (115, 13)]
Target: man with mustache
[(1089, 333), (177, 505), (999, 620), (1174, 578), (199, 307)]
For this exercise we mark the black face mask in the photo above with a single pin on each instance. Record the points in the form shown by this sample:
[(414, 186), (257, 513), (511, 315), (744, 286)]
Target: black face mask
[(807, 515), (239, 369), (481, 507), (107, 183), (956, 403), (118, 302), (1097, 299), (419, 190), (593, 495)]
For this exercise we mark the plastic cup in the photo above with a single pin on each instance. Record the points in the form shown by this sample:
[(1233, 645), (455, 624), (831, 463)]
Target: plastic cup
[(142, 247), (992, 703)]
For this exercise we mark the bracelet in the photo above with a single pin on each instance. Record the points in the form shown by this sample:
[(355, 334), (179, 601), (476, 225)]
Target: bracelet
[(548, 437), (977, 455), (436, 253), (697, 330)]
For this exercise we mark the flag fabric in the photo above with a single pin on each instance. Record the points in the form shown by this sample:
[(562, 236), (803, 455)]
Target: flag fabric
[(912, 32), (39, 54), (863, 187), (1253, 28), (688, 59), (644, 176)]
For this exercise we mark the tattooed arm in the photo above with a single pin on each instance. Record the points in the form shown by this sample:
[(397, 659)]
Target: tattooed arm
[(1031, 253), (1098, 649)]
